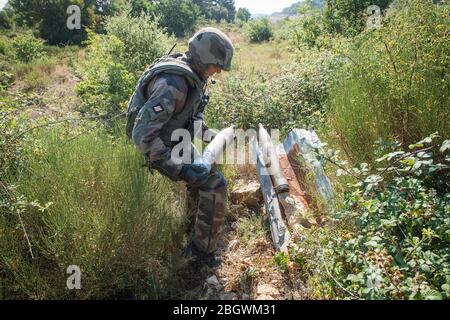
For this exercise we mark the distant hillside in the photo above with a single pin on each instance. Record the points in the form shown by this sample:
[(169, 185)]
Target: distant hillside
[(293, 9)]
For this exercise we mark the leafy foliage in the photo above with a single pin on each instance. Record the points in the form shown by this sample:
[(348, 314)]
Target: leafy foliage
[(27, 47), (50, 18), (308, 31), (217, 10), (243, 14), (293, 99), (259, 30), (115, 61), (395, 243), (395, 84), (348, 17), (179, 17)]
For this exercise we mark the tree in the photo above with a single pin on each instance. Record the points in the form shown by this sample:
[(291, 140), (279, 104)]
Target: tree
[(348, 16), (217, 9), (6, 19), (243, 14), (141, 6), (179, 17), (231, 9), (218, 13), (50, 18)]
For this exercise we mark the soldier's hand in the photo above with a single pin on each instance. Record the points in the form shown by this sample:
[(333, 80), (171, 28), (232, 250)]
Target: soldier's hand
[(195, 174)]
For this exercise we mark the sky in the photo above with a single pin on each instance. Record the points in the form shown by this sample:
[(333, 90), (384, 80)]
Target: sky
[(255, 6)]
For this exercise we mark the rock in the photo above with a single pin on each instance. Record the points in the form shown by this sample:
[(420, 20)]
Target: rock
[(233, 245), (247, 193), (265, 297), (228, 296), (210, 293), (245, 296), (266, 289), (212, 281)]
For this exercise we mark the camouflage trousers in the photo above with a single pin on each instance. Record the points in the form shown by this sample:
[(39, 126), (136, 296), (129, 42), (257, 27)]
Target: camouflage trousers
[(206, 206)]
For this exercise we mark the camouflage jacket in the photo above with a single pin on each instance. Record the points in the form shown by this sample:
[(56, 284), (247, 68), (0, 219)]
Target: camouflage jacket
[(167, 97)]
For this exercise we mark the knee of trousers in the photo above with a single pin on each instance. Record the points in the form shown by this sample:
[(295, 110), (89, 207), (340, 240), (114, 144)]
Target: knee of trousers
[(215, 183)]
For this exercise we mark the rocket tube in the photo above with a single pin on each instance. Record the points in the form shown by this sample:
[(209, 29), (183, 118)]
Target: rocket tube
[(271, 161), (215, 149)]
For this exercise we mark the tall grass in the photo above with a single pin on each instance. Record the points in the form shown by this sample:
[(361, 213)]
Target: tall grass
[(88, 202), (396, 84)]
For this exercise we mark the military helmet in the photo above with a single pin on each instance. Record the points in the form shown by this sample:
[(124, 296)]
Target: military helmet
[(211, 46)]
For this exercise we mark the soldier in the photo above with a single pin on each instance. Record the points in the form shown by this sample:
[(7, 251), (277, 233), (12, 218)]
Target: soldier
[(170, 95)]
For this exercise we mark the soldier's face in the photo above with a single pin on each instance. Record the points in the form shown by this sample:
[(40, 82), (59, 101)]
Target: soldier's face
[(211, 70)]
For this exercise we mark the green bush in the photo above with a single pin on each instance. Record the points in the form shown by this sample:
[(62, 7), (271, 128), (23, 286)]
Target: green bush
[(87, 202), (243, 15), (395, 84), (348, 17), (5, 46), (142, 39), (259, 30), (115, 61), (293, 99), (395, 223), (307, 31), (27, 47), (106, 83)]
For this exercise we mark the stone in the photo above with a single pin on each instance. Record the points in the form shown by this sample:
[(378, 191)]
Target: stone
[(233, 245), (265, 289), (214, 282), (265, 297), (228, 296), (247, 193)]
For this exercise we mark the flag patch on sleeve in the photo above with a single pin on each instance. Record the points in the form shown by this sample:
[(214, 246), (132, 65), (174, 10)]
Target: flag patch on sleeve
[(158, 108)]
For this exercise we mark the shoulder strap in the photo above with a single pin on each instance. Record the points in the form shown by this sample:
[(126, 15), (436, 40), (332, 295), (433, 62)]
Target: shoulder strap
[(174, 65)]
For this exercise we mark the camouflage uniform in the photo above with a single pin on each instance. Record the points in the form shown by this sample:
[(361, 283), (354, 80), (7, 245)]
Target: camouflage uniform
[(167, 100)]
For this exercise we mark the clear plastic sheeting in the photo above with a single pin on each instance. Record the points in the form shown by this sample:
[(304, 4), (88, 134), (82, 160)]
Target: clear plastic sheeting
[(307, 142)]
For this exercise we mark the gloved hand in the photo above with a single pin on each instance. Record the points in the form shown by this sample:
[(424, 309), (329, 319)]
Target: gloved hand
[(195, 174)]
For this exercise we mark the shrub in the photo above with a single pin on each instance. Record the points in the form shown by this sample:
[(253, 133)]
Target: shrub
[(394, 241), (293, 99), (308, 31), (87, 202), (259, 30), (115, 61), (51, 18), (27, 47), (5, 46), (142, 39), (243, 15), (36, 80), (395, 85), (6, 20), (348, 17), (106, 83)]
